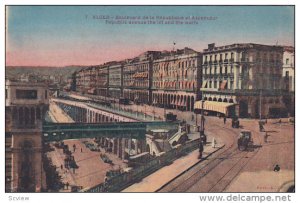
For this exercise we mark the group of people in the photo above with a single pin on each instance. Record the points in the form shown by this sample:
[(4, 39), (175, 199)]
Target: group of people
[(201, 147)]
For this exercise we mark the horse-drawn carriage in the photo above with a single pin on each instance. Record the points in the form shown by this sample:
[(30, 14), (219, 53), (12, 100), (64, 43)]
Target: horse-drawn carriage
[(245, 140)]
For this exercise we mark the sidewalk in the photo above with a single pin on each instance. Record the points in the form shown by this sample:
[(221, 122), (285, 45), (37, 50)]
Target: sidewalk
[(166, 174)]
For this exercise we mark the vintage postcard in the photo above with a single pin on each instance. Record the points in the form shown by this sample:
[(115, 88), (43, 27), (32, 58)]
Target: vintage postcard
[(150, 99)]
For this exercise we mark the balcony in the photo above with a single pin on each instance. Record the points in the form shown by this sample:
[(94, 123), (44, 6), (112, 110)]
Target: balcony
[(231, 60), (226, 61), (221, 61)]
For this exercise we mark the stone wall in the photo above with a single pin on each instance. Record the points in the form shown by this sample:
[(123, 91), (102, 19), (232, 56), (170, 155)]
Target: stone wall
[(126, 179)]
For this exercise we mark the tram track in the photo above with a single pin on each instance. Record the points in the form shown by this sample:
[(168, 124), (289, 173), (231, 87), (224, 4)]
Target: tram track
[(198, 171), (191, 180), (225, 180)]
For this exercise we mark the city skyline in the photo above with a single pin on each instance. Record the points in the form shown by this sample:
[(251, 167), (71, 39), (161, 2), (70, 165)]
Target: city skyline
[(70, 35)]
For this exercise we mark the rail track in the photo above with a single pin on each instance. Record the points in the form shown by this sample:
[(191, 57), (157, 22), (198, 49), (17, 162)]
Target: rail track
[(191, 178)]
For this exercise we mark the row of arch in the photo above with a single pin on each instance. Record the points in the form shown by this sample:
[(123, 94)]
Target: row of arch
[(94, 117), (137, 96), (230, 100), (174, 101), (218, 99), (174, 84)]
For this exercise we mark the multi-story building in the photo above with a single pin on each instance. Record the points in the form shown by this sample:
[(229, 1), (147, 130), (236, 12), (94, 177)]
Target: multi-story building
[(25, 107), (137, 75), (101, 75), (82, 83), (93, 80), (288, 73), (243, 80), (176, 79), (115, 84), (288, 68)]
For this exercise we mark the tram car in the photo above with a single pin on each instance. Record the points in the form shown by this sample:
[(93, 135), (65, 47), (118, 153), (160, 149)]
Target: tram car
[(245, 140)]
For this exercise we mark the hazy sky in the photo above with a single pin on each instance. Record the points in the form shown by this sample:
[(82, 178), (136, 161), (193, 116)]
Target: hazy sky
[(68, 35)]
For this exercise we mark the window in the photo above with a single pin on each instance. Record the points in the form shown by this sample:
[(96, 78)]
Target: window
[(287, 74), (215, 84), (287, 61), (5, 93), (46, 94), (226, 70), (26, 94), (210, 84)]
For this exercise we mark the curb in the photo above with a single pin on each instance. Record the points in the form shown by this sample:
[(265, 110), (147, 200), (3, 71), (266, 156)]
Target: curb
[(183, 172)]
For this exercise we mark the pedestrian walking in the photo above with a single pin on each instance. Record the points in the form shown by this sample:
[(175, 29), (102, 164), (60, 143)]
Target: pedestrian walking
[(224, 119), (266, 137), (214, 142), (74, 147), (200, 150)]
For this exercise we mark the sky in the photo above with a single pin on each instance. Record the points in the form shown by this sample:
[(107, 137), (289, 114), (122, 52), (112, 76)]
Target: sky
[(76, 35)]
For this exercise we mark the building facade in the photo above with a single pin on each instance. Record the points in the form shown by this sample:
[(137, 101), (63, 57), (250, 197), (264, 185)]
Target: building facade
[(288, 68), (115, 84), (137, 76), (101, 85), (25, 108), (288, 74), (246, 75), (177, 79)]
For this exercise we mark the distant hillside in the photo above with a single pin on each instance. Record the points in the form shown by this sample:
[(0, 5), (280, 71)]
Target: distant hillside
[(65, 72)]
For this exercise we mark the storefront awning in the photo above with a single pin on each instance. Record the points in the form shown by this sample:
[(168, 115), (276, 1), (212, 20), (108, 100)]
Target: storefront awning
[(220, 107)]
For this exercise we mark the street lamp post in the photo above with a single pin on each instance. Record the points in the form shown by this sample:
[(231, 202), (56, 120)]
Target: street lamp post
[(202, 120)]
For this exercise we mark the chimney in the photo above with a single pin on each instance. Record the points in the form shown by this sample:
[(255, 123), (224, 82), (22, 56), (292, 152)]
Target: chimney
[(211, 46)]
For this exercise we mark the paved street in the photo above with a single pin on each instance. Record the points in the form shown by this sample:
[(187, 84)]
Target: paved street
[(91, 169), (228, 169), (237, 168)]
